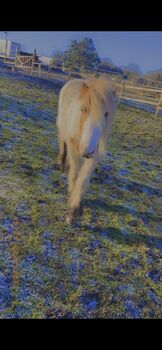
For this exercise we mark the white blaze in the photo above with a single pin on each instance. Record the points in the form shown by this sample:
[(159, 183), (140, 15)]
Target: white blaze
[(90, 137)]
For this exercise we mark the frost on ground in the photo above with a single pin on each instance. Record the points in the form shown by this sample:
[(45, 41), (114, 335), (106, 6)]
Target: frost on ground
[(107, 266)]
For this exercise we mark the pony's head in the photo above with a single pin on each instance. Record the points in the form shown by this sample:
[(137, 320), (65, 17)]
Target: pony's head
[(97, 105)]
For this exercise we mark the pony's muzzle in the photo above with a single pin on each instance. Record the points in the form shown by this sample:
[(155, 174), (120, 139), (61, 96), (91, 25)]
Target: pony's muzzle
[(89, 141), (88, 155)]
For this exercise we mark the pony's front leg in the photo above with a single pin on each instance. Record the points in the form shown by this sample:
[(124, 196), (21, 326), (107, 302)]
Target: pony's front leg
[(81, 184), (74, 167)]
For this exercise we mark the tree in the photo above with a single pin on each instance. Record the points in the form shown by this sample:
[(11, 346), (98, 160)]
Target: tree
[(81, 54), (57, 58), (70, 57), (105, 66)]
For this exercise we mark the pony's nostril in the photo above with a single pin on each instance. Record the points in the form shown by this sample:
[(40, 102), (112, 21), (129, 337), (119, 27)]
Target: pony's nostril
[(87, 155), (90, 154)]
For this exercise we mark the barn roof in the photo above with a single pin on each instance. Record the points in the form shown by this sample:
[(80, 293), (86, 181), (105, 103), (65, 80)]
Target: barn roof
[(13, 42)]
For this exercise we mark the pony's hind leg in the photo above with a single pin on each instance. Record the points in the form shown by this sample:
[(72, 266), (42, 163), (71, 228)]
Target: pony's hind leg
[(62, 156)]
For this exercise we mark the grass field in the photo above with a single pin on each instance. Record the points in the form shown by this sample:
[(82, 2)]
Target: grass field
[(109, 265)]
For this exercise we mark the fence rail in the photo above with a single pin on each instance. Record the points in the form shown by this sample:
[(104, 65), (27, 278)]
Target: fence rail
[(128, 92)]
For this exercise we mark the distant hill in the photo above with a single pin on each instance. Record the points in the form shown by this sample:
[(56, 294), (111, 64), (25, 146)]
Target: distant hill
[(107, 65), (154, 71), (132, 67)]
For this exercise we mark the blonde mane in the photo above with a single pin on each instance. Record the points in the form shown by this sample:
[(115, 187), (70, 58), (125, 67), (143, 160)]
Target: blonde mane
[(94, 91)]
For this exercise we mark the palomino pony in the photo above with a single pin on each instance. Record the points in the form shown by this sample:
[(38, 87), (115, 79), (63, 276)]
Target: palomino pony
[(85, 112)]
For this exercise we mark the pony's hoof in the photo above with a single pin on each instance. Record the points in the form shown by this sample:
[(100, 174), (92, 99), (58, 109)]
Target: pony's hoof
[(66, 168), (69, 220), (73, 214), (62, 163), (59, 160)]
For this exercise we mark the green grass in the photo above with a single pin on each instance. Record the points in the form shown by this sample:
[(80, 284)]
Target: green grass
[(108, 265)]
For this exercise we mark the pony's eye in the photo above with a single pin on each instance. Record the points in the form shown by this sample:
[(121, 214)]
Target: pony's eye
[(106, 114)]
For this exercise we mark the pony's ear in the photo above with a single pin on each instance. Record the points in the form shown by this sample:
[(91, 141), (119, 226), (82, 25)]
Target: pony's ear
[(84, 85), (83, 90)]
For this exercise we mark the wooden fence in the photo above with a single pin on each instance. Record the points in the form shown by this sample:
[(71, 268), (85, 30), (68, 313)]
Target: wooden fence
[(125, 89), (143, 95)]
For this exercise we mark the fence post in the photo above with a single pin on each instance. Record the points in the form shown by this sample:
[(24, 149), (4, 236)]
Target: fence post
[(48, 72), (69, 76), (31, 68), (17, 53), (39, 69), (121, 91), (157, 109)]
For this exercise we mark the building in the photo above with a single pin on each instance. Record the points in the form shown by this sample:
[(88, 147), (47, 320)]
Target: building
[(8, 48), (45, 60)]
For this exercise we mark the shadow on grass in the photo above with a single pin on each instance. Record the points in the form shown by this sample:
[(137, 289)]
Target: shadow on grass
[(126, 237), (124, 184), (100, 204)]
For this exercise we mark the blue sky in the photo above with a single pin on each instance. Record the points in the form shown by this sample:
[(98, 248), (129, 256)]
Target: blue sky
[(143, 48)]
